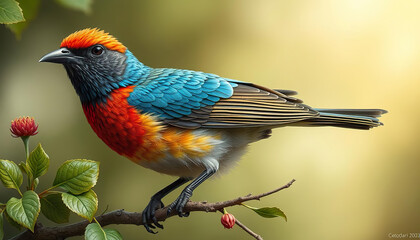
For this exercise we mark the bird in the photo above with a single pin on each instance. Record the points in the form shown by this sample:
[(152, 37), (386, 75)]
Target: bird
[(183, 123)]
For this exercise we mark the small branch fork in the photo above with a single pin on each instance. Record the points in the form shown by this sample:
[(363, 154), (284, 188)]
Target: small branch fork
[(124, 217)]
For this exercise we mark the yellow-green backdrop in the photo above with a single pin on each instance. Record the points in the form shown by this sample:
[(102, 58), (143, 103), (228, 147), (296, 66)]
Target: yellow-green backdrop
[(351, 184)]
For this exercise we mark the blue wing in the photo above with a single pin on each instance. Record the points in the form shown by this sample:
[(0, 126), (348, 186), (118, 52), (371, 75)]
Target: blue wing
[(174, 94), (190, 99)]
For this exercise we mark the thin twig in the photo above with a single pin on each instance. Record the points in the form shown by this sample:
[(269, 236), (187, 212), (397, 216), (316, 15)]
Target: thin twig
[(245, 228), (249, 231), (123, 217)]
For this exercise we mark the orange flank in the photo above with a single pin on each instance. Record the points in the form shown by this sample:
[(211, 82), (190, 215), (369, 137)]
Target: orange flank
[(186, 143), (141, 137), (179, 144), (91, 36), (183, 144)]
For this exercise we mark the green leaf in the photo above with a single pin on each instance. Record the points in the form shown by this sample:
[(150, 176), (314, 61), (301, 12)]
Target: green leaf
[(10, 174), (53, 208), (268, 212), (36, 182), (24, 211), (77, 176), (81, 5), (95, 232), (38, 162), (30, 9), (24, 168), (1, 226), (10, 12), (84, 205), (112, 234), (12, 222)]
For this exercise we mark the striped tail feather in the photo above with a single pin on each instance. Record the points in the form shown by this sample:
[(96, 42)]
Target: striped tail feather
[(346, 118)]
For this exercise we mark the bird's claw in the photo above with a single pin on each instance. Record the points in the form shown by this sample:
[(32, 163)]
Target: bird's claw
[(179, 204), (148, 215)]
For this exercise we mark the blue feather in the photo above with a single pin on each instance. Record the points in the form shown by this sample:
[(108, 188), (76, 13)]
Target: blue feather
[(174, 93), (146, 97), (211, 84), (185, 92), (159, 102)]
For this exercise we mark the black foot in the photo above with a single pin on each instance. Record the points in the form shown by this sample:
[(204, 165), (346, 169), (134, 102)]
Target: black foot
[(149, 217), (180, 202), (185, 195), (155, 203)]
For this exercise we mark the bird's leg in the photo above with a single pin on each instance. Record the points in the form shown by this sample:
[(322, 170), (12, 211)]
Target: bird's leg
[(155, 203), (185, 195)]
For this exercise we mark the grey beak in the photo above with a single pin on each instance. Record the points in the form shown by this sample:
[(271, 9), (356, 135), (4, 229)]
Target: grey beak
[(62, 55)]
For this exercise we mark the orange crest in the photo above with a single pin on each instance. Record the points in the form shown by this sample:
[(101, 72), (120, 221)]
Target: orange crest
[(91, 36)]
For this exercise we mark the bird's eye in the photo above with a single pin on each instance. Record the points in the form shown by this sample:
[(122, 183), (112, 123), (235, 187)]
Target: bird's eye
[(97, 50)]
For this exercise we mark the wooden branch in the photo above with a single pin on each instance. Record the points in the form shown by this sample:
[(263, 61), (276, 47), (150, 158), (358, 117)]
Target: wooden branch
[(247, 230), (123, 217)]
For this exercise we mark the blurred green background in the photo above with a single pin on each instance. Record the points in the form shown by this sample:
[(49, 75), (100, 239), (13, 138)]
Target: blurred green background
[(351, 54)]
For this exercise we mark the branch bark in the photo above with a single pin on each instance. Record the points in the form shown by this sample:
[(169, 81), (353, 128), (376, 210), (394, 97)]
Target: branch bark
[(135, 218), (247, 230)]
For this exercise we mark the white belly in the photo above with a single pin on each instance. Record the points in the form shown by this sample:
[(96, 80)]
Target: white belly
[(228, 147)]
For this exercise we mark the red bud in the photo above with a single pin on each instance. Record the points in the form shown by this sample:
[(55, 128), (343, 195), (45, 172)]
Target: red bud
[(23, 127), (228, 220)]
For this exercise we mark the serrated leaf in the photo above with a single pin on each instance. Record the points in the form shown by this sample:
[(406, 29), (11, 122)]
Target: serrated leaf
[(84, 205), (77, 176), (38, 162), (30, 9), (81, 5), (95, 232), (10, 174), (53, 208), (10, 12), (1, 226), (24, 211), (268, 212)]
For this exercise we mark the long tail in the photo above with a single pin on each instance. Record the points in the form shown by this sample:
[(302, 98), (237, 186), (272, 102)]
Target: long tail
[(346, 118)]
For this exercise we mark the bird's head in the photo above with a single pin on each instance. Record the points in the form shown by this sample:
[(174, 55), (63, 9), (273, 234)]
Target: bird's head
[(96, 63)]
